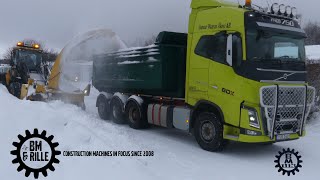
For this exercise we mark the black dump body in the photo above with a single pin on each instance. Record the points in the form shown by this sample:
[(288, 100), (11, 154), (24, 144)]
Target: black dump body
[(157, 70)]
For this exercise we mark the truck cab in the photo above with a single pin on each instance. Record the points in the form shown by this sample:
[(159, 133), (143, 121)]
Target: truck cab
[(248, 65)]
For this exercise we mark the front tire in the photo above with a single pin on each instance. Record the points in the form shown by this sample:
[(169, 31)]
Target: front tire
[(209, 132)]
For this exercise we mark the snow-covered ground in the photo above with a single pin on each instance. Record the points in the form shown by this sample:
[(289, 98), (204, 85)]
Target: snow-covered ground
[(177, 155), (313, 52)]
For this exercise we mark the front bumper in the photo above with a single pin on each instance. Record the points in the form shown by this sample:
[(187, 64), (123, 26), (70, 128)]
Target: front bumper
[(282, 114), (285, 108), (254, 136)]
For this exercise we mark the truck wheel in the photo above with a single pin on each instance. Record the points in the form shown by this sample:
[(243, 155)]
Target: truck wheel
[(117, 111), (209, 132), (135, 115), (103, 109)]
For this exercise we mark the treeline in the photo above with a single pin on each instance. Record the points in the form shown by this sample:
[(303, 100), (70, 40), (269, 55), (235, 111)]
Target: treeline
[(312, 30)]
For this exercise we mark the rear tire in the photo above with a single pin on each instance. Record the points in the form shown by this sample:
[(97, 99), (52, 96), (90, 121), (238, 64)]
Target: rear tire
[(136, 115), (103, 109), (209, 132), (118, 116)]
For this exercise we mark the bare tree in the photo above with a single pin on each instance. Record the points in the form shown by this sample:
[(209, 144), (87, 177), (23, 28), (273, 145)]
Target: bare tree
[(7, 55), (312, 30)]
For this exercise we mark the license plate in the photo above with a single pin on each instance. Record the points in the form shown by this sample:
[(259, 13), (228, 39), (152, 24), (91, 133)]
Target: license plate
[(282, 137)]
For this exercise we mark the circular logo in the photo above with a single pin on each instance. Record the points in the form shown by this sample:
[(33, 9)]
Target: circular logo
[(288, 161), (35, 153)]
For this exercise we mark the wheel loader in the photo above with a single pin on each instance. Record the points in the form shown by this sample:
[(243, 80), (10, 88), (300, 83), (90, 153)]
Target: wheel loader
[(30, 78)]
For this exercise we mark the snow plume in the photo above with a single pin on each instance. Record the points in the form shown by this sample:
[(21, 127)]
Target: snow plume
[(77, 57)]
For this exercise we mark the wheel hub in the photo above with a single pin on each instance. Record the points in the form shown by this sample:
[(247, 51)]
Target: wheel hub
[(208, 131), (134, 114)]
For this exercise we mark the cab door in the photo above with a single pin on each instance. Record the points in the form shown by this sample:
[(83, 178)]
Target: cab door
[(224, 83), (198, 81)]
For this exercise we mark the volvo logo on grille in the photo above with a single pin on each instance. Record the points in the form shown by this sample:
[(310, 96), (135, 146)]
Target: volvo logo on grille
[(285, 76)]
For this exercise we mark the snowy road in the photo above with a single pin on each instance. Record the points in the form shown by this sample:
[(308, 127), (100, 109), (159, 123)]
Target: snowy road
[(177, 155)]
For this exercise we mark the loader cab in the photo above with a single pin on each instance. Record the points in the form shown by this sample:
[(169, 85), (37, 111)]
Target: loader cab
[(26, 63), (27, 54), (31, 58)]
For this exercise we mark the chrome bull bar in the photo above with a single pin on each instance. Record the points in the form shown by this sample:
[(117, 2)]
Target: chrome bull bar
[(286, 108)]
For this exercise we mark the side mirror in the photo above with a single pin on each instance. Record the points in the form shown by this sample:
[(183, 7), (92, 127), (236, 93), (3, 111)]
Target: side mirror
[(229, 49)]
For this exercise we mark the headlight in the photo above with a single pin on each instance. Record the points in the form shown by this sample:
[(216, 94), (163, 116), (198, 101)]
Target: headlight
[(253, 119), (294, 12), (282, 9), (275, 8), (288, 11)]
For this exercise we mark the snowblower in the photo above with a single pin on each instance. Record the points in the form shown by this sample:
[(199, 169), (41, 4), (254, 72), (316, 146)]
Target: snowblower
[(29, 77), (71, 74)]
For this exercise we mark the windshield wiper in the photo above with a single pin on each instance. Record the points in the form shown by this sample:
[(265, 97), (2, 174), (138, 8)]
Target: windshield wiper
[(288, 60), (267, 60)]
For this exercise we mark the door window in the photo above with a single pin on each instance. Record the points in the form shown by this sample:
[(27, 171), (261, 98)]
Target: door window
[(213, 47)]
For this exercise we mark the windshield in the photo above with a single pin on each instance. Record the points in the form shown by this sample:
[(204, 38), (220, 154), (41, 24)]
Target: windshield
[(270, 46), (31, 58)]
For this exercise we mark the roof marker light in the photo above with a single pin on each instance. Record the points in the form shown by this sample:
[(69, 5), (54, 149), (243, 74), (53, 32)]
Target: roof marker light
[(248, 3), (37, 46), (20, 44)]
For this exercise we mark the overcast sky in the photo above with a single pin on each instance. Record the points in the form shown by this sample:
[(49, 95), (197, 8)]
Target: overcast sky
[(55, 22)]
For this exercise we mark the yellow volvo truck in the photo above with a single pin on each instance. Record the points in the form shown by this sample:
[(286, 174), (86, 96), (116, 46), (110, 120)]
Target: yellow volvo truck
[(239, 74)]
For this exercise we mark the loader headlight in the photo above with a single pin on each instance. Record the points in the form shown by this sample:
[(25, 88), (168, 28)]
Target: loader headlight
[(86, 91), (253, 119)]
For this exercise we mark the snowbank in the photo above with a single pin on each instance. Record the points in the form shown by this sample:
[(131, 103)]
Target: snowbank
[(313, 52), (177, 155)]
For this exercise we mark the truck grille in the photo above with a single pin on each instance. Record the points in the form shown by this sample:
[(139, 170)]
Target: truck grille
[(291, 103)]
